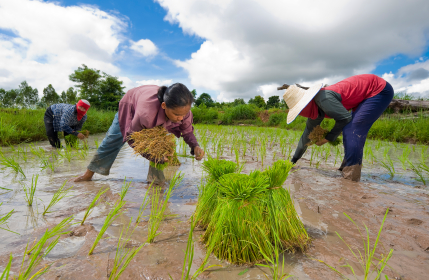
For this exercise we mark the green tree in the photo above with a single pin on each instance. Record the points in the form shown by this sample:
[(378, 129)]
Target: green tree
[(205, 99), (69, 96), (283, 104), (88, 80), (50, 96), (273, 102), (258, 101), (9, 98), (102, 91), (110, 92), (194, 93), (238, 101), (27, 96), (2, 95)]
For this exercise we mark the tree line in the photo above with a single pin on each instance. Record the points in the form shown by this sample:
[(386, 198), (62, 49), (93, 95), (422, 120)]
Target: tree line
[(273, 102), (102, 90)]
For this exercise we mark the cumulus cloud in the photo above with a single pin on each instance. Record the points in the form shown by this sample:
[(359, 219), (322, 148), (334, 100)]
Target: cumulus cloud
[(43, 42), (144, 47), (252, 44)]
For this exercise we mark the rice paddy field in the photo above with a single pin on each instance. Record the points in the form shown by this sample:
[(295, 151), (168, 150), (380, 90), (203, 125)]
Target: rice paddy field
[(122, 226)]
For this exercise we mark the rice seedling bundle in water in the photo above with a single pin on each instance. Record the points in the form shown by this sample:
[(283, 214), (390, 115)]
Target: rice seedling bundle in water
[(318, 133), (157, 143), (241, 212)]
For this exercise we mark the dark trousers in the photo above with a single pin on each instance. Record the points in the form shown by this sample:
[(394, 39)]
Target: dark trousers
[(49, 126), (366, 114)]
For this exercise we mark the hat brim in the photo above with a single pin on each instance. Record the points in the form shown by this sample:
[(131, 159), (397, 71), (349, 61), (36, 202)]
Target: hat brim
[(309, 95)]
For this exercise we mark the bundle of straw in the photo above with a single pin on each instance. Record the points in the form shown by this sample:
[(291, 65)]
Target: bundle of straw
[(245, 215), (154, 144), (318, 133)]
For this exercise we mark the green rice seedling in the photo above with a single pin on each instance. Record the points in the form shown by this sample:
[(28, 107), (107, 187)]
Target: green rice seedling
[(39, 152), (418, 171), (144, 204), (327, 153), (237, 153), (189, 256), (41, 249), (3, 220), (68, 153), (404, 157), (47, 163), (58, 195), (12, 163), (6, 271), (388, 165), (158, 207), (368, 261), (22, 153), (114, 212), (29, 192), (277, 272), (123, 254), (124, 189), (93, 204), (96, 143)]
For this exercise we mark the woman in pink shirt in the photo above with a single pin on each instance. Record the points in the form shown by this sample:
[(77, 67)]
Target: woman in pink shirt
[(146, 107)]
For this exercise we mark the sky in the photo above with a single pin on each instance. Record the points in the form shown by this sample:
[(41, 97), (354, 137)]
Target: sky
[(227, 48)]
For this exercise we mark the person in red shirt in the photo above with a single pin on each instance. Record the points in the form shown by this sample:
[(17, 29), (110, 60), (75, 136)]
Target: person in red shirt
[(366, 95), (141, 108)]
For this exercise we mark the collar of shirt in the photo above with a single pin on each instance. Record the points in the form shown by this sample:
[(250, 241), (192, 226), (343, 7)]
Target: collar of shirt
[(164, 121)]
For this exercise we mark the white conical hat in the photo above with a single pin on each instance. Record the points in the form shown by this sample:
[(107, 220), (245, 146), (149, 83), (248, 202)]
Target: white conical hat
[(297, 98)]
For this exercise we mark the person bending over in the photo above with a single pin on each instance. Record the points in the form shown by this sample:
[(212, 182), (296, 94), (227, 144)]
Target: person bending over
[(366, 95), (67, 118), (146, 107)]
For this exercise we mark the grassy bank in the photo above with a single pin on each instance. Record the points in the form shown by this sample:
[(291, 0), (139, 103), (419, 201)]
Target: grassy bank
[(17, 126), (404, 127)]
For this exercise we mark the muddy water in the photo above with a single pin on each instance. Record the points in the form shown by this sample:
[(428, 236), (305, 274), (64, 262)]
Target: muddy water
[(321, 197)]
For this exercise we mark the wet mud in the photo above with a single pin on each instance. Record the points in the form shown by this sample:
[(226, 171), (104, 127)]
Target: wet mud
[(321, 197)]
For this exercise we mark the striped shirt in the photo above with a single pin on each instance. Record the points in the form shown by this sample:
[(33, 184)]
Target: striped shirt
[(65, 118)]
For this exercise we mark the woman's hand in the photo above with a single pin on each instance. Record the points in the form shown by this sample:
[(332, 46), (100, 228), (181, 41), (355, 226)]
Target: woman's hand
[(321, 142), (165, 159), (199, 153), (81, 136)]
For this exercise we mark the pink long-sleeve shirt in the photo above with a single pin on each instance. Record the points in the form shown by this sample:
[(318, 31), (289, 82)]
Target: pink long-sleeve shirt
[(140, 109)]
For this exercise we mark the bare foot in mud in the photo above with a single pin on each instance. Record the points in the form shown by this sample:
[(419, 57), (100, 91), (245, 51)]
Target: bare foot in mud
[(85, 177)]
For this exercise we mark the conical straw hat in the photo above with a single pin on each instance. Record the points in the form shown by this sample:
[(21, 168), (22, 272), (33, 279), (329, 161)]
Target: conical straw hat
[(297, 98)]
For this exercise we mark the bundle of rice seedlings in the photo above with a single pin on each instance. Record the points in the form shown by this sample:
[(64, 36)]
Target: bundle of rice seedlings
[(241, 212), (208, 192), (318, 133), (156, 143)]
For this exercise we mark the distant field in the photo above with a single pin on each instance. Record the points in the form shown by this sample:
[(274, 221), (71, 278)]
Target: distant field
[(17, 126)]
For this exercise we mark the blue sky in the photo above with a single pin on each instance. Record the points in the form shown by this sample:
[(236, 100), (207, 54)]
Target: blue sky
[(228, 48)]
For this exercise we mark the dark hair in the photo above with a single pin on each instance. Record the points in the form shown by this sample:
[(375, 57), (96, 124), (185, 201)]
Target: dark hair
[(176, 95)]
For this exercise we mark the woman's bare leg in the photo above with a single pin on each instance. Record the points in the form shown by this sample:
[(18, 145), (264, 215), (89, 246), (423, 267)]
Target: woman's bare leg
[(85, 177)]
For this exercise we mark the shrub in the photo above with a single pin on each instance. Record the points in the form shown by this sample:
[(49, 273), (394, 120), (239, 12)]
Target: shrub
[(240, 112), (202, 114), (277, 118)]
